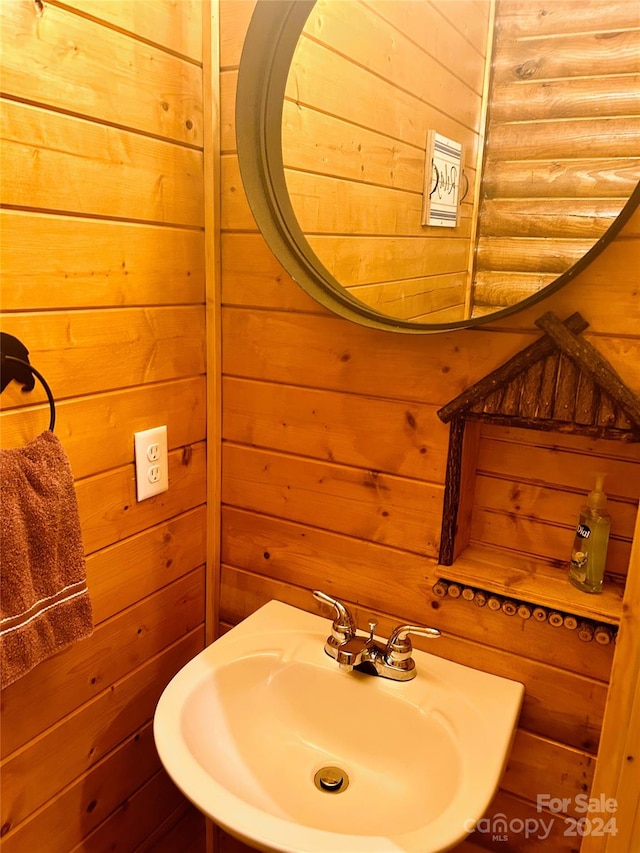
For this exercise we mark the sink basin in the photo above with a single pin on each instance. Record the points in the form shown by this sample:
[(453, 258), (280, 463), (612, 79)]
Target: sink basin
[(248, 728)]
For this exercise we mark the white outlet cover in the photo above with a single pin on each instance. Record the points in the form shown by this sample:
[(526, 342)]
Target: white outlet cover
[(152, 469)]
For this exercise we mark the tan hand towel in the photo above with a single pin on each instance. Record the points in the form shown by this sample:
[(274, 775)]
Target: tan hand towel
[(44, 600)]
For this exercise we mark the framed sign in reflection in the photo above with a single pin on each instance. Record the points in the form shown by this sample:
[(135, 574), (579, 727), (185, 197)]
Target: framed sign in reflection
[(442, 173)]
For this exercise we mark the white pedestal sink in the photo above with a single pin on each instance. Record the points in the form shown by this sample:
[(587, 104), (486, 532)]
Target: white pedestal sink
[(245, 727)]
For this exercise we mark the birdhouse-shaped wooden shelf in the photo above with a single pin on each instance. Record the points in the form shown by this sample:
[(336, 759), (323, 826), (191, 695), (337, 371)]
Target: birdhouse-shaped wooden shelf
[(559, 383)]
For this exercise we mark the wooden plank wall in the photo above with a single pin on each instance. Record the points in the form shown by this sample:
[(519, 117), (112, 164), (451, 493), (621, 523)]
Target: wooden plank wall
[(546, 145), (367, 83), (334, 465), (103, 280)]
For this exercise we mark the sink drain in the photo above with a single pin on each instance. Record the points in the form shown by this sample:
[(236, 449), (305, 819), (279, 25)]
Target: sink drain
[(332, 780)]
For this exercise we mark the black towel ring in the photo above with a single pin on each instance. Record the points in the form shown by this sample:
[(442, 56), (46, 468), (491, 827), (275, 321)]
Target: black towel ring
[(15, 365)]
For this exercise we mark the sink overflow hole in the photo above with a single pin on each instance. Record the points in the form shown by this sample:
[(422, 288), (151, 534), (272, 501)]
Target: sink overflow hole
[(332, 780)]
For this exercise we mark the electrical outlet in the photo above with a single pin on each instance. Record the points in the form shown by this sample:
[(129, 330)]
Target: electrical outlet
[(152, 469)]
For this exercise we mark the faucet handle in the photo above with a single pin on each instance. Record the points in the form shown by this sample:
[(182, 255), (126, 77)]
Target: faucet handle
[(399, 646), (344, 625)]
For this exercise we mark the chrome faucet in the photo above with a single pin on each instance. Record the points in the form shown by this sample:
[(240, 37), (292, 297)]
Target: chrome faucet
[(390, 660)]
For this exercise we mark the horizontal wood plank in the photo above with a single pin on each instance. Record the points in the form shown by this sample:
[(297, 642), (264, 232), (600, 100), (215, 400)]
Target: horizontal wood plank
[(71, 63), (85, 352), (362, 260), (563, 89), (518, 516), (65, 164), (494, 289), (153, 20), (252, 277), (91, 263), (563, 442), (562, 177), (523, 19), (579, 219), (530, 254), (569, 55), (552, 506), (309, 557), (567, 99), (604, 295), (85, 423), (536, 459), (327, 352)]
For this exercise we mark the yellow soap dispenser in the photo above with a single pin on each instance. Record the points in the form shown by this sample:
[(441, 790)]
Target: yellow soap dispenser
[(589, 554)]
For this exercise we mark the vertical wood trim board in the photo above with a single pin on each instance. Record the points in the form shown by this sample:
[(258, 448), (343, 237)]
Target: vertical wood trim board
[(212, 265)]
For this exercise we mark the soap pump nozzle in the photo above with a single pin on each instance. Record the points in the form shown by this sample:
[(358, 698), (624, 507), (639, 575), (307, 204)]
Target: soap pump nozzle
[(597, 499)]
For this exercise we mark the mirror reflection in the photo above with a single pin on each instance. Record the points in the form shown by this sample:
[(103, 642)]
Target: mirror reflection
[(448, 159)]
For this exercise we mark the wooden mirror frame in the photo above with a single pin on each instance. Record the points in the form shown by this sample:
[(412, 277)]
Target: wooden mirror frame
[(268, 50)]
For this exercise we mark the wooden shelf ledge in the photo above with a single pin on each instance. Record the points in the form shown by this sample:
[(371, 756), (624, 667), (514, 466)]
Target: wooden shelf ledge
[(533, 581)]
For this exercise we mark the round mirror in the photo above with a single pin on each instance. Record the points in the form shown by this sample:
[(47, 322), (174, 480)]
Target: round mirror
[(422, 165)]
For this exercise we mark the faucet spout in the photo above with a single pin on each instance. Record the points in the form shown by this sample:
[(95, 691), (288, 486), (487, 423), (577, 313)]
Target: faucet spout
[(354, 651)]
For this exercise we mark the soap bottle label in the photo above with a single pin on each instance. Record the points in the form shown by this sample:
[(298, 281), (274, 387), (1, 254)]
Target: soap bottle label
[(580, 553), (583, 532), (588, 555)]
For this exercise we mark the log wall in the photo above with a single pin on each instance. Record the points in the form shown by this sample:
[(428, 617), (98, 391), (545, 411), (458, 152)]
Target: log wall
[(103, 279), (562, 121), (334, 465)]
